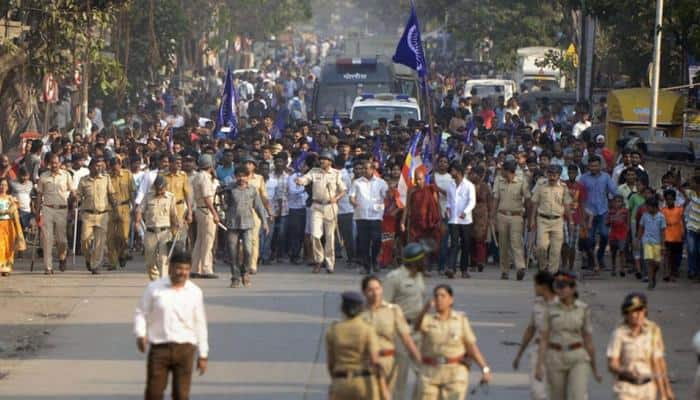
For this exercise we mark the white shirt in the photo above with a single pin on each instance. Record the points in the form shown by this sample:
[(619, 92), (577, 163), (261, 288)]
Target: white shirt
[(172, 315), (145, 185), (579, 127), (443, 181), (344, 206), (369, 195), (296, 193), (461, 199), (78, 175)]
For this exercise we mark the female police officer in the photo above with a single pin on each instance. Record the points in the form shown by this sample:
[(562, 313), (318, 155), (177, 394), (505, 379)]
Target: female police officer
[(566, 343), (353, 354), (447, 341), (636, 354)]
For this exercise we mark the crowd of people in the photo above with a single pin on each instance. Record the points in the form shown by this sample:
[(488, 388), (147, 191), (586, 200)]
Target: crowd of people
[(499, 182)]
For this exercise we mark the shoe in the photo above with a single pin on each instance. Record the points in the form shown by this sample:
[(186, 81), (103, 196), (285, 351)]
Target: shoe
[(246, 280), (645, 280), (450, 274), (638, 275), (652, 284), (94, 271), (666, 278), (480, 267), (122, 262), (466, 275), (317, 269), (504, 276), (48, 272), (521, 274), (62, 265), (622, 273), (210, 276), (87, 266), (195, 275), (235, 283), (329, 270)]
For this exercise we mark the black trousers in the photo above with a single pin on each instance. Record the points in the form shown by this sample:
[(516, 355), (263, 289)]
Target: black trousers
[(460, 242), (296, 228), (369, 241), (163, 359), (345, 228)]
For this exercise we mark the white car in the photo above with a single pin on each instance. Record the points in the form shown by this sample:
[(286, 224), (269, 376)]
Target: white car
[(370, 107), (483, 88)]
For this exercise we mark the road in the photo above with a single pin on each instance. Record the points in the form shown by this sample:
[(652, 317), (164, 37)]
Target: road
[(69, 337)]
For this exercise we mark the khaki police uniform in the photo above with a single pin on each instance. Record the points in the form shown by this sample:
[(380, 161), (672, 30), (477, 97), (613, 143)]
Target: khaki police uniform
[(443, 374), (124, 190), (54, 190), (323, 214), (567, 361), (389, 323), (409, 294), (551, 204), (538, 389), (178, 184), (636, 354), (94, 193), (159, 214), (258, 182), (349, 345), (510, 198), (202, 252)]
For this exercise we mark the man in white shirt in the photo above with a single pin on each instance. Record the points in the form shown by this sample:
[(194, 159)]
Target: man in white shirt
[(171, 319), (147, 179), (345, 217), (367, 196), (461, 200), (296, 200), (581, 125), (443, 180)]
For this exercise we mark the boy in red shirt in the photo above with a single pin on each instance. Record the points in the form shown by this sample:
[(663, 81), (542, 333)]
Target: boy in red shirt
[(673, 236), (618, 221)]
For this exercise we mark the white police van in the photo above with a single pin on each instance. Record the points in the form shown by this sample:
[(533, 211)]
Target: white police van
[(370, 107)]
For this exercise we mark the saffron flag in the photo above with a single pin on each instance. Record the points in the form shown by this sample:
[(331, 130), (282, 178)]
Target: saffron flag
[(411, 165)]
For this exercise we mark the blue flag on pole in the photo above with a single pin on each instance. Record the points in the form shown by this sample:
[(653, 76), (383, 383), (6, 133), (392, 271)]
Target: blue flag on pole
[(336, 120), (226, 121), (471, 127), (409, 51)]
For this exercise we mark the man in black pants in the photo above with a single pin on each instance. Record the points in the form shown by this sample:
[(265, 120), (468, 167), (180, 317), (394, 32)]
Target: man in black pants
[(367, 196), (461, 200)]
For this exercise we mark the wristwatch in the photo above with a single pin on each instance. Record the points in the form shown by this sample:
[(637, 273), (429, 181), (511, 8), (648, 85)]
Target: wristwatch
[(486, 370)]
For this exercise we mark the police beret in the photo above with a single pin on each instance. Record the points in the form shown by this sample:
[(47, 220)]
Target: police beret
[(554, 168), (206, 161), (634, 302), (413, 252), (352, 298), (249, 159)]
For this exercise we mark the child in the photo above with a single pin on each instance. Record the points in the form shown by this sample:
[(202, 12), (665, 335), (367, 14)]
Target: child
[(673, 236), (651, 233), (618, 221), (637, 208)]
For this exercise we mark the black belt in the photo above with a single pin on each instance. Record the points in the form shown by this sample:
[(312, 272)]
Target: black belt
[(322, 203), (124, 203), (94, 211), (351, 374), (180, 202), (157, 229), (629, 379), (56, 207), (549, 216)]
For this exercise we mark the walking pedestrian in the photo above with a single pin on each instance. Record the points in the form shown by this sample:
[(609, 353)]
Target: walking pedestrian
[(636, 354), (650, 234), (389, 322), (511, 197), (352, 354), (11, 235), (598, 187), (258, 182), (53, 189), (207, 219), (544, 296), (367, 196), (461, 200), (484, 221), (447, 343), (327, 189), (171, 322), (120, 222), (566, 343)]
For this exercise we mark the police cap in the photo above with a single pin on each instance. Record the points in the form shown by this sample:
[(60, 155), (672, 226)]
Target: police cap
[(327, 155), (351, 297), (413, 252), (634, 302), (554, 169)]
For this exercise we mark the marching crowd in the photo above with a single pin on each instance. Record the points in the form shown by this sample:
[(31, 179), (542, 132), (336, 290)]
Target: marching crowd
[(514, 184)]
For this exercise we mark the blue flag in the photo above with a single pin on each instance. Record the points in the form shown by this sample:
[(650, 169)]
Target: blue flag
[(226, 121), (409, 51), (296, 164), (336, 120), (377, 152), (471, 127), (280, 125)]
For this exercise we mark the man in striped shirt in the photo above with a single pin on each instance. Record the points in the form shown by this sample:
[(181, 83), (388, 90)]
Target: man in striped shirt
[(692, 224)]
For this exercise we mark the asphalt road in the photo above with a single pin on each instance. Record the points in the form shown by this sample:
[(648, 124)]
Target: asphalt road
[(267, 341)]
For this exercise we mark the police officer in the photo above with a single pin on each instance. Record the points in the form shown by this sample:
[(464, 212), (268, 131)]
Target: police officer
[(207, 217), (566, 343), (327, 188), (53, 189), (447, 341), (177, 183), (405, 287), (389, 322), (258, 182), (159, 213), (549, 207), (352, 349), (510, 196), (636, 354), (95, 193), (124, 191)]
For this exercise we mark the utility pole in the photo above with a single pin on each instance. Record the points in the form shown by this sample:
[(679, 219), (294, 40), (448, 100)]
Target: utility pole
[(656, 67), (86, 75)]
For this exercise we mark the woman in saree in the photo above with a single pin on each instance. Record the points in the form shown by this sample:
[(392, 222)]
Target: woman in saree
[(11, 236)]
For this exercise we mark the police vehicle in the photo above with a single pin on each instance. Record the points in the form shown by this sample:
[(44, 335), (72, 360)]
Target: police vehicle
[(370, 107)]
